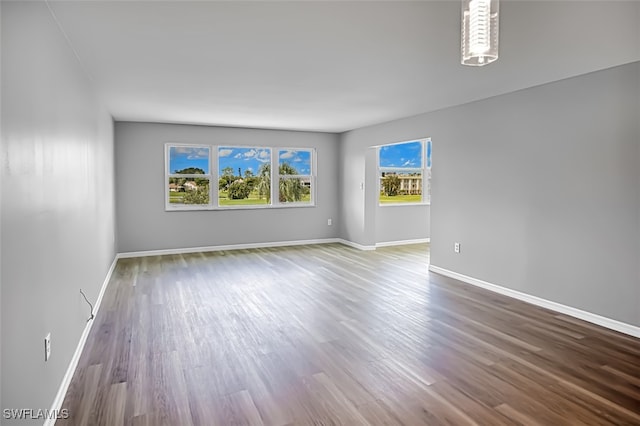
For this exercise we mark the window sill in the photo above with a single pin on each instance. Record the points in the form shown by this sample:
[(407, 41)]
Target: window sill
[(403, 204), (258, 207)]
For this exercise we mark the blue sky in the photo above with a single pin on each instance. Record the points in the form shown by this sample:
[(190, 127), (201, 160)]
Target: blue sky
[(404, 155), (182, 157), (300, 160), (243, 158), (252, 158)]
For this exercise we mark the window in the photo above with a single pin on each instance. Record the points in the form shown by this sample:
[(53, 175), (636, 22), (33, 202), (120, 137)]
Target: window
[(295, 178), (405, 172), (243, 175), (189, 175)]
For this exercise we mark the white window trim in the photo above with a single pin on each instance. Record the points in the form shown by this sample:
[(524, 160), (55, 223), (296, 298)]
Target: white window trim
[(216, 205), (167, 176), (311, 177), (422, 170), (214, 177)]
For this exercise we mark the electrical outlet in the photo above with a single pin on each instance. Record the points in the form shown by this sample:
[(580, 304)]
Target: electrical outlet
[(456, 247), (47, 347), (329, 222)]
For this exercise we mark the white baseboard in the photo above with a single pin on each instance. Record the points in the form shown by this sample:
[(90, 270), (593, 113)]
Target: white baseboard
[(226, 247), (538, 301), (403, 242), (186, 250), (71, 369), (356, 245)]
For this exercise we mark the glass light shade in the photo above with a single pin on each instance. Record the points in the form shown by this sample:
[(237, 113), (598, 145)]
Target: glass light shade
[(479, 32)]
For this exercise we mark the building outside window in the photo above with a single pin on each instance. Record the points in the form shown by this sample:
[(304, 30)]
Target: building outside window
[(404, 171)]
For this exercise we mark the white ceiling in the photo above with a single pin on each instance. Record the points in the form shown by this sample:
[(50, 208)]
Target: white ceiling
[(327, 66)]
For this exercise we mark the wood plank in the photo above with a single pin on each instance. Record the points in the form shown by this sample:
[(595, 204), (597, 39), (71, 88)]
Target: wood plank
[(330, 335)]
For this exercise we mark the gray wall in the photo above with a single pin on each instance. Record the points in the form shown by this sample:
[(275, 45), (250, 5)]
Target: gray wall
[(638, 193), (363, 221), (58, 212), (143, 223), (539, 186), (402, 223), (1, 162)]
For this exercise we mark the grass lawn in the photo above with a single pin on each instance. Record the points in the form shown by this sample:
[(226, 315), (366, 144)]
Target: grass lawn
[(223, 200), (175, 197), (178, 198), (397, 199), (253, 200), (306, 198)]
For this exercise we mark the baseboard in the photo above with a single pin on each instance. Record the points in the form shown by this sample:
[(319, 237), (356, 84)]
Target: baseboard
[(186, 250), (66, 380), (544, 303), (403, 242), (227, 247), (356, 245)]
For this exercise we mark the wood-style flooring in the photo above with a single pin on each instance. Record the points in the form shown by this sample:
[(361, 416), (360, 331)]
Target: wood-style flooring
[(329, 335)]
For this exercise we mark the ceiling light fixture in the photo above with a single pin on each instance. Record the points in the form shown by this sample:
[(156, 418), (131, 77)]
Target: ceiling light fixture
[(479, 32)]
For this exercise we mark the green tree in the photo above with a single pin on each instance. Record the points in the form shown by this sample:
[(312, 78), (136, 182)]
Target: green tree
[(290, 189), (391, 185), (238, 190), (201, 181), (250, 179), (287, 169), (226, 179), (252, 182), (190, 171), (263, 185), (199, 195), (223, 184)]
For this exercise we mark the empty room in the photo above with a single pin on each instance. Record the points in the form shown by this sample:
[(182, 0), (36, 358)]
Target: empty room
[(319, 212)]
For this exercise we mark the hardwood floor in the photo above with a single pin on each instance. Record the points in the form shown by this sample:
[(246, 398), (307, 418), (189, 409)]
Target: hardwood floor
[(329, 335)]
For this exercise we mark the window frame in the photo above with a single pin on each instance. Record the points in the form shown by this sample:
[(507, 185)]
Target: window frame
[(214, 178), (312, 177), (216, 205), (167, 176), (425, 171)]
